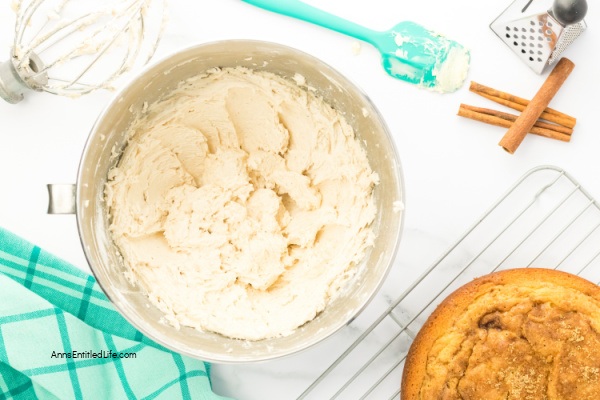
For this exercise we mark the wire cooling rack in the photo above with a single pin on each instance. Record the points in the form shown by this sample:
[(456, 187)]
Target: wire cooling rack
[(546, 219)]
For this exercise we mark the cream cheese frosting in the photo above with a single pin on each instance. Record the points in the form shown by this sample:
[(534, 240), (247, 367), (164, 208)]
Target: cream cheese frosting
[(242, 204), (452, 72)]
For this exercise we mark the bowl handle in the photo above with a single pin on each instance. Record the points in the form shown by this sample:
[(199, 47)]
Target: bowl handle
[(61, 198)]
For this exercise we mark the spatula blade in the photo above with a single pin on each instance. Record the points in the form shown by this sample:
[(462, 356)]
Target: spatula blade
[(414, 54)]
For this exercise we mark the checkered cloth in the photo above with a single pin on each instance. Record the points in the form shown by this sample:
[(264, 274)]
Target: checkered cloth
[(50, 310)]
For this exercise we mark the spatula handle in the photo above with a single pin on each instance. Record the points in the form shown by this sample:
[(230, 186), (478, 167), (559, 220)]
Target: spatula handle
[(308, 13)]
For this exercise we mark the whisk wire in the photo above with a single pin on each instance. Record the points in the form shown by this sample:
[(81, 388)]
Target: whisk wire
[(49, 17), (66, 29), (107, 46), (74, 25)]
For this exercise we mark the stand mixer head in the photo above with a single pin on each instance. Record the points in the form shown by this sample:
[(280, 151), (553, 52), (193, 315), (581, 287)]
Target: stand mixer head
[(72, 47)]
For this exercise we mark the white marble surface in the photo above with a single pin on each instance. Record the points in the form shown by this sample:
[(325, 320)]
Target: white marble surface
[(453, 167)]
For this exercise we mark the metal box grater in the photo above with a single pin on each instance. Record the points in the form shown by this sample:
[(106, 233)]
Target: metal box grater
[(529, 28)]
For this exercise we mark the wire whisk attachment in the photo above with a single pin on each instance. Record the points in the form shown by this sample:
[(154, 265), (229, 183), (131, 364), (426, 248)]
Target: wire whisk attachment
[(73, 47)]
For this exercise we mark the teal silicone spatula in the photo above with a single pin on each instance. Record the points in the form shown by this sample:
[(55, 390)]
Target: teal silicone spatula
[(409, 51)]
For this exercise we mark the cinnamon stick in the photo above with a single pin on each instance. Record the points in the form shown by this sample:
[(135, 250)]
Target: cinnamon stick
[(516, 133), (519, 104), (506, 120)]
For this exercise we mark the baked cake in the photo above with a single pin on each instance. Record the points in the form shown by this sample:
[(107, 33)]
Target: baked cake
[(518, 334)]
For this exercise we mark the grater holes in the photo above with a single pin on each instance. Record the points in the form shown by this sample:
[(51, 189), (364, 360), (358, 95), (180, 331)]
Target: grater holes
[(534, 41), (570, 34)]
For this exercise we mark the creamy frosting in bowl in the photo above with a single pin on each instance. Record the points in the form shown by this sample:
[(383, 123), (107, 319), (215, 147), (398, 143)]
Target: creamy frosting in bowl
[(242, 204)]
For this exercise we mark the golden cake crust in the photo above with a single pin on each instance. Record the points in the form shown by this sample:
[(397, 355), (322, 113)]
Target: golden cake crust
[(517, 334)]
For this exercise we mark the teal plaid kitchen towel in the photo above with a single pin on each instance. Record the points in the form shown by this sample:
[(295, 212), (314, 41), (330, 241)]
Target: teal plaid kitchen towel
[(61, 338)]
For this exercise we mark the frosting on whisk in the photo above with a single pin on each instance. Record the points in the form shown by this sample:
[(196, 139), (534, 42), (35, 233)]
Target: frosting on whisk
[(70, 48)]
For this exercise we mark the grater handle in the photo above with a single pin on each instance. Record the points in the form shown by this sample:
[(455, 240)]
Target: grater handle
[(569, 12)]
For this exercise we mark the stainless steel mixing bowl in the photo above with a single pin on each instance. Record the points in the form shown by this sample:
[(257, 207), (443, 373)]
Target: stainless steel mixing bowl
[(108, 138)]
